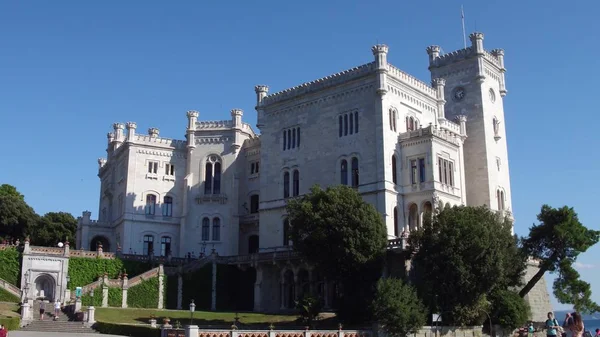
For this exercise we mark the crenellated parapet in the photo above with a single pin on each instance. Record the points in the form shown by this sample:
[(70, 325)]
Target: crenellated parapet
[(320, 84), (153, 132), (159, 141), (450, 133), (411, 81)]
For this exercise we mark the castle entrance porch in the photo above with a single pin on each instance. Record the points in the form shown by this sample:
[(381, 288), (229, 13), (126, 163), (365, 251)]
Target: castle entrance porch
[(45, 286)]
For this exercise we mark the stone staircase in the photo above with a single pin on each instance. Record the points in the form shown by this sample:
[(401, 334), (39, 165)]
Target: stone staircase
[(62, 325)]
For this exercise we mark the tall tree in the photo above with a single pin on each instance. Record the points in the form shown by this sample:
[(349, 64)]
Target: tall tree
[(556, 242), (342, 236), (17, 219), (460, 255), (397, 308), (54, 227)]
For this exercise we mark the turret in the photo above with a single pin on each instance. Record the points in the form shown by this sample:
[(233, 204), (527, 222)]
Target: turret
[(131, 126), (462, 121), (236, 119), (261, 92), (380, 52), (118, 127), (192, 116), (101, 163), (477, 48), (439, 84), (434, 53), (153, 132), (110, 138)]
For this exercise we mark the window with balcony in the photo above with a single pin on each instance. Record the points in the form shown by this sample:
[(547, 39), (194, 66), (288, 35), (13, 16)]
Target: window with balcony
[(165, 246), (167, 207), (148, 244), (150, 204), (216, 229), (205, 229)]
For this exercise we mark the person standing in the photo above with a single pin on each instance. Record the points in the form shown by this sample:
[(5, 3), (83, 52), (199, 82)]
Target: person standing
[(42, 309), (567, 324), (552, 326), (56, 309), (577, 326), (3, 331)]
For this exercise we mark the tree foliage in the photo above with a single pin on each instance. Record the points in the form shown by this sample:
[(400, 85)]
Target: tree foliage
[(397, 308), (345, 239), (17, 219), (55, 227), (336, 230), (556, 242), (460, 255), (509, 310), (9, 190)]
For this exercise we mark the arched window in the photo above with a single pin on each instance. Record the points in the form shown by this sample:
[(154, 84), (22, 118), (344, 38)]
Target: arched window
[(298, 136), (148, 244), (289, 137), (150, 204), (167, 207), (284, 140), (344, 172), (216, 229), (341, 126), (394, 170), (293, 138), (286, 185), (345, 124), (500, 196), (393, 115), (411, 124), (413, 217), (396, 229), (296, 185), (212, 175), (355, 180), (356, 122), (254, 202), (286, 232), (165, 246), (205, 229)]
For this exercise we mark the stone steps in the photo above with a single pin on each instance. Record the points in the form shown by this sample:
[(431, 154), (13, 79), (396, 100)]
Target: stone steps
[(63, 326)]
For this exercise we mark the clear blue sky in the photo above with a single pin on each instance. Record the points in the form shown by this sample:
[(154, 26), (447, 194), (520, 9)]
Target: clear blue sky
[(69, 69)]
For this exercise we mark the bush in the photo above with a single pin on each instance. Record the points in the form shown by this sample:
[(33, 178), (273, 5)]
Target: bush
[(126, 330), (115, 297), (11, 323), (83, 271), (509, 310), (309, 308), (5, 296), (96, 300), (10, 260), (397, 308), (144, 295)]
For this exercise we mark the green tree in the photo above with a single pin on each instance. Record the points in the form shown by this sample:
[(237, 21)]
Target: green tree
[(509, 309), (10, 190), (460, 255), (54, 227), (345, 239), (17, 219), (556, 242), (397, 308)]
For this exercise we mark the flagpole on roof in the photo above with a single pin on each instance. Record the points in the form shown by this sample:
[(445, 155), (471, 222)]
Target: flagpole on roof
[(462, 17)]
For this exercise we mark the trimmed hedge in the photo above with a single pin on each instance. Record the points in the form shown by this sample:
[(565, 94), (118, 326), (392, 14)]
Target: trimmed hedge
[(83, 271), (5, 296), (115, 297), (126, 330), (96, 301), (11, 323), (145, 294), (10, 260)]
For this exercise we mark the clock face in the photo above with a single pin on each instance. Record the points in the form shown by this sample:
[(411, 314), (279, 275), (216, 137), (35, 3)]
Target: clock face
[(459, 93)]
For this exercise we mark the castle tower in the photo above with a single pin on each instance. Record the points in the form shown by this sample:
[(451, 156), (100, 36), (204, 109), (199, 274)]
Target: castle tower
[(475, 87)]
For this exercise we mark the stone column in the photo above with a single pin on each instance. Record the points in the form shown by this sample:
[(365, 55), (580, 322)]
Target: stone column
[(213, 303), (125, 287), (179, 291), (326, 293), (296, 286), (257, 289), (282, 291), (26, 312), (91, 315), (161, 286), (105, 291), (191, 331)]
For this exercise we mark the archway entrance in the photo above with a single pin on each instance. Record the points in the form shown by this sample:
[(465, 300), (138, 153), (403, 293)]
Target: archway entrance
[(99, 240), (44, 287)]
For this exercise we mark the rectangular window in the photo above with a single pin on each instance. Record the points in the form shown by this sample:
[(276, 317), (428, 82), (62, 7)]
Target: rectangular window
[(169, 169), (446, 171), (413, 171), (422, 170), (153, 167), (148, 244), (205, 229), (254, 168), (165, 246)]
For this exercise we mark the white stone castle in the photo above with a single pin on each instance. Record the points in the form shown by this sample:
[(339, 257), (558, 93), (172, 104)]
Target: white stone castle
[(405, 145)]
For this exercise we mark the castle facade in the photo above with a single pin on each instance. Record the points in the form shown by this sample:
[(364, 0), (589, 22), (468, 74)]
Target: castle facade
[(407, 146)]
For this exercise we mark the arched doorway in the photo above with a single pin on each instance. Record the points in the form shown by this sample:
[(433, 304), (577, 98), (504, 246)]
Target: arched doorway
[(45, 287), (99, 239), (413, 217), (253, 244), (288, 289)]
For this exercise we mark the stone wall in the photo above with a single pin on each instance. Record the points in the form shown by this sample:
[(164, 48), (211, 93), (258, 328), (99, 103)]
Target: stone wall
[(538, 298)]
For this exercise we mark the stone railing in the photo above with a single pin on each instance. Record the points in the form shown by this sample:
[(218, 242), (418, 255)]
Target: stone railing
[(431, 130), (412, 81), (450, 126), (145, 276), (194, 330), (10, 288), (147, 139)]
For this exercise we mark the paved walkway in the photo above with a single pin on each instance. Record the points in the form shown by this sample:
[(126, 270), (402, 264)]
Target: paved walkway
[(53, 334)]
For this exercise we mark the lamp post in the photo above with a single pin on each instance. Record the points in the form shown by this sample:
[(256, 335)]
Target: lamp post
[(192, 309)]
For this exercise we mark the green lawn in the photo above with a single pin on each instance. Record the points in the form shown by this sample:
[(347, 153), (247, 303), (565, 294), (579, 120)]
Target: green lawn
[(203, 318)]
